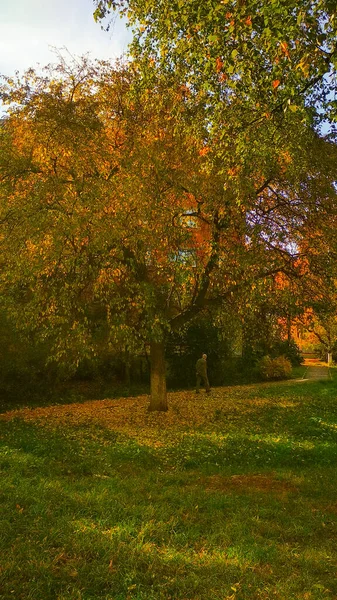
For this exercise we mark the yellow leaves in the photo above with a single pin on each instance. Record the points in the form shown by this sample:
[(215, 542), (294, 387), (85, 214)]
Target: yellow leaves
[(46, 243), (106, 276), (287, 158), (284, 49), (31, 248), (304, 65), (129, 416), (49, 268)]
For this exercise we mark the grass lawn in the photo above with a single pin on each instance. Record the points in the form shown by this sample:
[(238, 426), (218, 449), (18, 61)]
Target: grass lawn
[(231, 496)]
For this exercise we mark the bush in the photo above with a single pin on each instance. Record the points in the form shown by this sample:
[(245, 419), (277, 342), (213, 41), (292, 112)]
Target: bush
[(289, 349), (275, 368)]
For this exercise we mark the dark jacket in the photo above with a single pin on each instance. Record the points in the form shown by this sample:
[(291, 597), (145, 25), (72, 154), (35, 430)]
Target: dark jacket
[(201, 367)]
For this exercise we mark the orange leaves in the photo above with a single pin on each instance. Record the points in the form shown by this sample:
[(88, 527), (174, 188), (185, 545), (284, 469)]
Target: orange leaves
[(218, 64), (282, 52), (185, 91), (286, 157), (218, 67), (233, 171), (204, 151), (282, 281), (130, 417)]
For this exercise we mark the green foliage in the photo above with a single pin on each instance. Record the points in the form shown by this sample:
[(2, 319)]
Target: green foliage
[(275, 368), (25, 371), (290, 45)]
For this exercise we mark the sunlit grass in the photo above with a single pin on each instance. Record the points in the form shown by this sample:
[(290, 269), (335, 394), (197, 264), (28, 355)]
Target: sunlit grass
[(224, 497)]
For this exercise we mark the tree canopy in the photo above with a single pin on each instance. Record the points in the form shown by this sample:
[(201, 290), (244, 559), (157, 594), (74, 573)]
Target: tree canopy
[(261, 56), (117, 226)]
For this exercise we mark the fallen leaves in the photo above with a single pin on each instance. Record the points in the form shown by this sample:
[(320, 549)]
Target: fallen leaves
[(130, 416)]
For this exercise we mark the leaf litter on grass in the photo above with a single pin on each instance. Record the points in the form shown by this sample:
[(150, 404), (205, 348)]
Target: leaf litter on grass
[(130, 415), (212, 520)]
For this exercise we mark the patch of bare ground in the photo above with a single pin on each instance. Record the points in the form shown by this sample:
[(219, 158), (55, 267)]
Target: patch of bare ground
[(266, 483), (331, 508)]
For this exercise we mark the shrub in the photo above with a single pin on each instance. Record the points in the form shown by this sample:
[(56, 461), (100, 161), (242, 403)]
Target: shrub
[(275, 368), (290, 350)]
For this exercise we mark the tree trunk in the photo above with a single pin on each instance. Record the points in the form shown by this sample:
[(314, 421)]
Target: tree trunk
[(329, 359), (158, 377), (127, 364), (128, 373)]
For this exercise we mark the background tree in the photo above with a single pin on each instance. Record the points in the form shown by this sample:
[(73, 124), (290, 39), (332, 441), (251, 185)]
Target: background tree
[(316, 319), (267, 314)]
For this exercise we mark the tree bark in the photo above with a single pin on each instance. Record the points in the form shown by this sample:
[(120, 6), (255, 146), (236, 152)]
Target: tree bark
[(158, 399)]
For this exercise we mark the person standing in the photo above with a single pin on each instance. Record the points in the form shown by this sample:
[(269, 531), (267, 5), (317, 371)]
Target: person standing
[(201, 374)]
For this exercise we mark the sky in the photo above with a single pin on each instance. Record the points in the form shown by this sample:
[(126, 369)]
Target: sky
[(29, 29)]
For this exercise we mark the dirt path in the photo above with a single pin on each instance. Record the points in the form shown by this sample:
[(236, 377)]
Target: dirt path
[(316, 369)]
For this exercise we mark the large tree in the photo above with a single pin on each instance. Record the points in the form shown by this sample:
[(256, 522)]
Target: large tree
[(114, 217), (259, 67)]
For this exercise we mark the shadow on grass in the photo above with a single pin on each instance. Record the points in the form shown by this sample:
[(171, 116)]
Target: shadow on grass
[(67, 393), (98, 515)]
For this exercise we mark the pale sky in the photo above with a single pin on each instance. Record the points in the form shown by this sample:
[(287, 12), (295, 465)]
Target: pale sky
[(30, 28)]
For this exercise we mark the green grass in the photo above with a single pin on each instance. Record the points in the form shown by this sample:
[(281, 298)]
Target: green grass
[(237, 503)]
